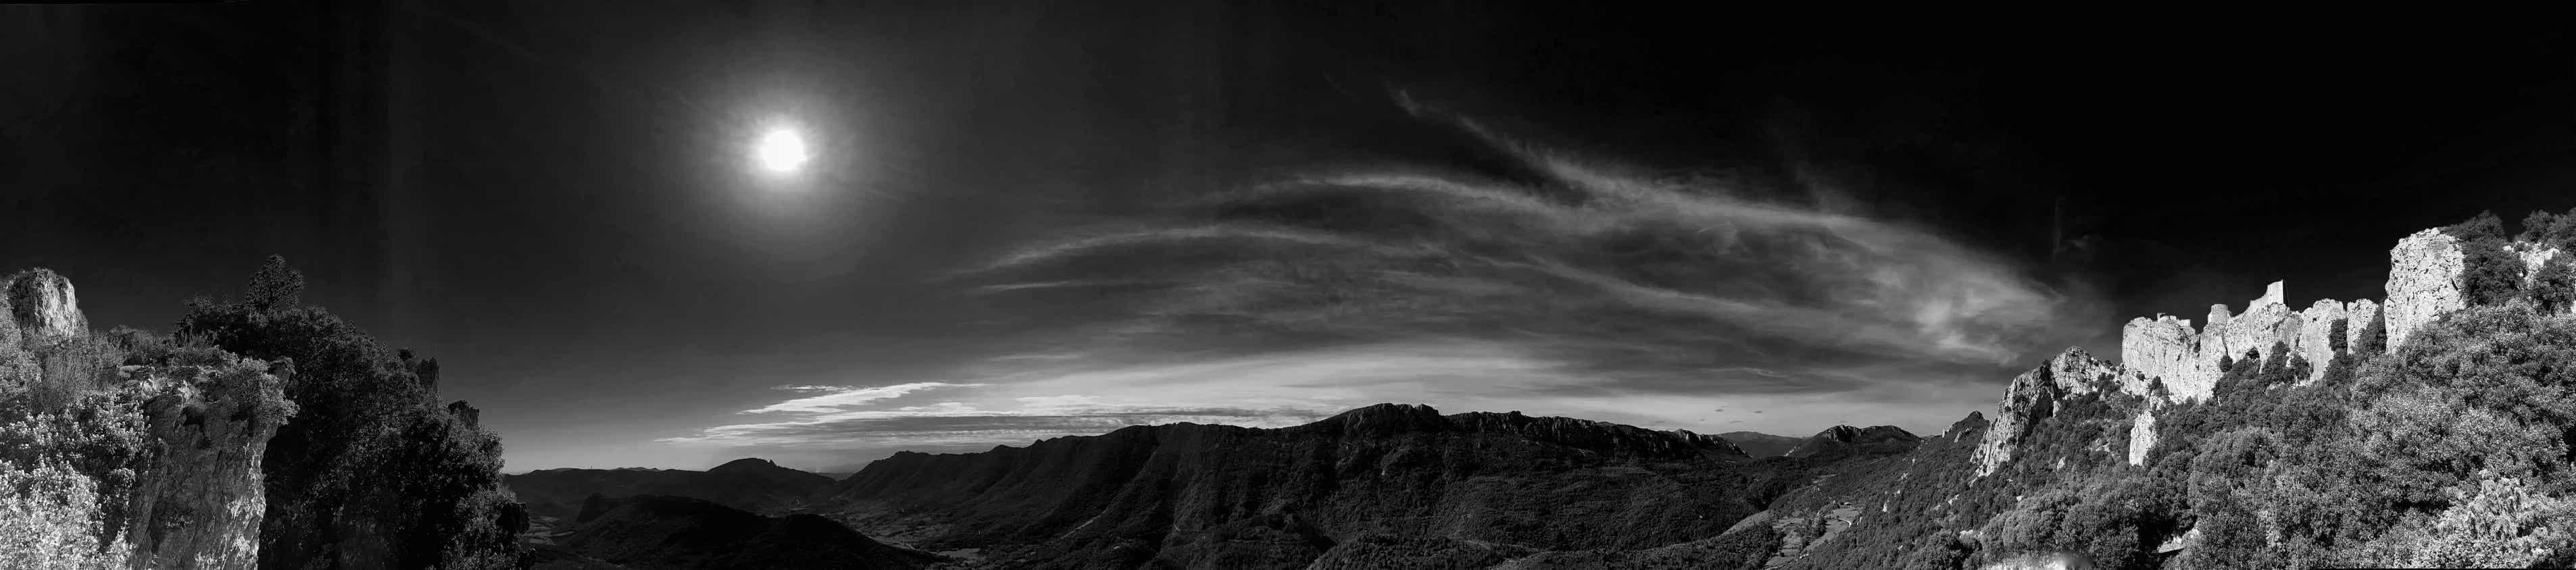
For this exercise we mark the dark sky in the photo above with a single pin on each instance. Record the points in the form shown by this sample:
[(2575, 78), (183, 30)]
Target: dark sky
[(1033, 219)]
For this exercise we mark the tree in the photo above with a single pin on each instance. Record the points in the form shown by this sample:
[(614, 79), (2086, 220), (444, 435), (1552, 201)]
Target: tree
[(2373, 337), (2561, 232), (2494, 522), (49, 518), (373, 472), (2535, 227), (2490, 274), (2483, 226), (2553, 288), (275, 286)]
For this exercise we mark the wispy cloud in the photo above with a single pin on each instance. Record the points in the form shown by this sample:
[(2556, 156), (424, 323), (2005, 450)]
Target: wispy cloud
[(1578, 287), (839, 398), (867, 418), (1657, 282)]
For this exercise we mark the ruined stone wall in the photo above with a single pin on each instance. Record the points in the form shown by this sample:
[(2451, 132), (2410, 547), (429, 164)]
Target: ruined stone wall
[(2317, 337), (2423, 284), (2187, 360)]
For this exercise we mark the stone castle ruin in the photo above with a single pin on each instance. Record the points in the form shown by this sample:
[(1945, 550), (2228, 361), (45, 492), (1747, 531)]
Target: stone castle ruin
[(2424, 282)]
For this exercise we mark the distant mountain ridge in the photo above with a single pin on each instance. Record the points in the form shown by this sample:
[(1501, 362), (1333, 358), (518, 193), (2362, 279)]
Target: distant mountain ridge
[(750, 484), (1361, 489), (660, 531)]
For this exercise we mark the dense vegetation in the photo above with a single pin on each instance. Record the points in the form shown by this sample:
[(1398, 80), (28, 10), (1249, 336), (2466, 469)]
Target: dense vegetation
[(376, 472)]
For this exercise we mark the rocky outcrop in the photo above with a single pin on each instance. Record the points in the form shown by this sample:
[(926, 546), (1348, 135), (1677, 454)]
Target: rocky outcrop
[(179, 433), (2168, 349), (2033, 396), (2423, 282), (2142, 436), (199, 501), (42, 308)]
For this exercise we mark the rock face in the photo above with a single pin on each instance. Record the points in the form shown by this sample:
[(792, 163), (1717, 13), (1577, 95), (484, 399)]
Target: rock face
[(2423, 282), (41, 307), (188, 425), (1209, 496), (2186, 360), (2142, 436), (199, 503), (2033, 396)]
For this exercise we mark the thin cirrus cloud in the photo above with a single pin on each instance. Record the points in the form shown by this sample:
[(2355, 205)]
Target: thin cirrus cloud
[(879, 424), (841, 398), (1662, 284), (1579, 288)]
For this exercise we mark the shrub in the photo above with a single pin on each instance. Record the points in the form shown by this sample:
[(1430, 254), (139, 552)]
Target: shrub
[(2493, 522), (49, 519), (2483, 226), (2553, 288), (2561, 232), (2489, 275)]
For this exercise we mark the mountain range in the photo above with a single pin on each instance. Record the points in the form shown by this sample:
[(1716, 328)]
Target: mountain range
[(2264, 438), (2434, 428), (1368, 488)]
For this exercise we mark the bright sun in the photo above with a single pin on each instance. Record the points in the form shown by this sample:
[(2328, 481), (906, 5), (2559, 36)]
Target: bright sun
[(781, 151)]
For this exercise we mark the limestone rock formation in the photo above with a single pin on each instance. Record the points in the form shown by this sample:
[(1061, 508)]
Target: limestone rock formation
[(2033, 396), (2186, 360), (2142, 436), (199, 502), (2423, 282), (2533, 256), (183, 429), (41, 307)]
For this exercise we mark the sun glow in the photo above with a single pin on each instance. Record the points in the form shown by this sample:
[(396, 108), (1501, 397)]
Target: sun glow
[(781, 151)]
